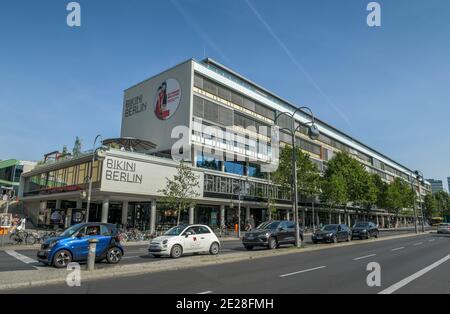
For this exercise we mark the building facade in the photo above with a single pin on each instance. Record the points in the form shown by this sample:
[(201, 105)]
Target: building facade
[(436, 185), (10, 172), (223, 125)]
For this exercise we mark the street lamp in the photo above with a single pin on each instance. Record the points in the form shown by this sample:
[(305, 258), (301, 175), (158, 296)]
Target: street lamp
[(239, 189), (97, 154), (313, 133), (420, 176), (417, 177)]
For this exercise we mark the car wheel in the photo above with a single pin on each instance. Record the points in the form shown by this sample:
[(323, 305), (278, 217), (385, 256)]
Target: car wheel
[(368, 236), (272, 243), (176, 251), (214, 249), (314, 242), (114, 255), (62, 259), (248, 247), (376, 235)]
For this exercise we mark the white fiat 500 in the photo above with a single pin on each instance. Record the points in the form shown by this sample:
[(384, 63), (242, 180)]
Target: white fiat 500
[(185, 239)]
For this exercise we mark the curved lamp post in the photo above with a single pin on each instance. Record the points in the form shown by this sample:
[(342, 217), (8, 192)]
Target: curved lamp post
[(420, 177), (417, 177), (97, 154), (313, 133)]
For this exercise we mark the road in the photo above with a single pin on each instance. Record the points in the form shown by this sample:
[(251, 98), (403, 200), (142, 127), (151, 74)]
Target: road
[(408, 265), (26, 259)]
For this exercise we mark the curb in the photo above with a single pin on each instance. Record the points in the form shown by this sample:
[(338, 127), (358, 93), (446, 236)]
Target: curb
[(185, 263)]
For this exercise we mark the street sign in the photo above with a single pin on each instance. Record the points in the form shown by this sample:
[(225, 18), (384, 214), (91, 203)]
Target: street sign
[(5, 220)]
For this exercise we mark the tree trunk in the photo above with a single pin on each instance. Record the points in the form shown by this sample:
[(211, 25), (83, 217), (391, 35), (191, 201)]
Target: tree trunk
[(178, 215), (329, 215)]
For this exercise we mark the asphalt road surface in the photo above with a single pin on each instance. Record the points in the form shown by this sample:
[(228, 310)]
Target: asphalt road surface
[(418, 264), (26, 259)]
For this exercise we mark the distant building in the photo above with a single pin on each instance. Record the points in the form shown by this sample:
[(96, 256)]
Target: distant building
[(448, 181), (10, 171), (436, 185)]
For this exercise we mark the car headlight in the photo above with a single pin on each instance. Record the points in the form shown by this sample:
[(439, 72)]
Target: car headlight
[(264, 235), (330, 235)]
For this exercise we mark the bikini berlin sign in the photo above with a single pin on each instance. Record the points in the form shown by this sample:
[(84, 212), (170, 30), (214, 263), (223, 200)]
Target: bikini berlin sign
[(124, 175)]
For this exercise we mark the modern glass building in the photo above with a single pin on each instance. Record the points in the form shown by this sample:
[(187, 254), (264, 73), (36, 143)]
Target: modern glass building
[(436, 185), (10, 172), (222, 124)]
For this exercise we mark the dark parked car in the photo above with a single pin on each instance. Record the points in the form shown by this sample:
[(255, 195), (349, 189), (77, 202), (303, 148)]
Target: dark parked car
[(271, 234), (364, 230), (73, 245), (332, 234)]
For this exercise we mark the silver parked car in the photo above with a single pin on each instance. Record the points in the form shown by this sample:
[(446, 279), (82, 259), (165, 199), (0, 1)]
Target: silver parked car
[(444, 228)]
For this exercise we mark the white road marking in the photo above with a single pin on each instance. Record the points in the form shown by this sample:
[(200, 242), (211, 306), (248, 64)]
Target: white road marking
[(205, 292), (397, 249), (22, 258), (431, 240), (409, 279), (302, 271), (418, 243), (363, 257)]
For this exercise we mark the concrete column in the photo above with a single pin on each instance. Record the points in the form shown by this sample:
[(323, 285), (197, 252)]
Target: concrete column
[(339, 218), (222, 216), (68, 221), (288, 214), (79, 203), (317, 219), (43, 208), (105, 209), (382, 222), (378, 222), (247, 213), (124, 213), (349, 222), (191, 215), (263, 215), (153, 217), (58, 204)]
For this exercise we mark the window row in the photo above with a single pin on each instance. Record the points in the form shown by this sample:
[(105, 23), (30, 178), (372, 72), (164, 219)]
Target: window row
[(70, 176), (236, 98)]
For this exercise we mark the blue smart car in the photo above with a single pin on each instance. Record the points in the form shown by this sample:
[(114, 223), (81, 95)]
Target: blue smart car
[(73, 245)]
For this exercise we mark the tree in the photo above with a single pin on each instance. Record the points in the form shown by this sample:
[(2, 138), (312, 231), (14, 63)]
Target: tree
[(308, 175), (181, 191), (355, 177), (382, 188), (370, 191), (431, 206), (399, 196), (334, 191), (76, 151)]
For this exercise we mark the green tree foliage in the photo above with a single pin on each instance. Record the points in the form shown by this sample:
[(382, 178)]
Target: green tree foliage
[(399, 196), (431, 206), (308, 176), (180, 191), (76, 150)]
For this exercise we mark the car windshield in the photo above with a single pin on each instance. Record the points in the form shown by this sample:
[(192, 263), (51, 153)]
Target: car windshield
[(361, 225), (269, 225), (70, 231), (175, 231), (329, 228)]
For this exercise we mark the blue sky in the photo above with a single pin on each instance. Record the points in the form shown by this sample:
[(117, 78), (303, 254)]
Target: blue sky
[(387, 86)]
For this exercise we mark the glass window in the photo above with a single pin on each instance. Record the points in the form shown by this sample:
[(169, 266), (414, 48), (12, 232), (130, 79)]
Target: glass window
[(210, 87), (198, 81), (198, 106), (236, 167), (208, 162)]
